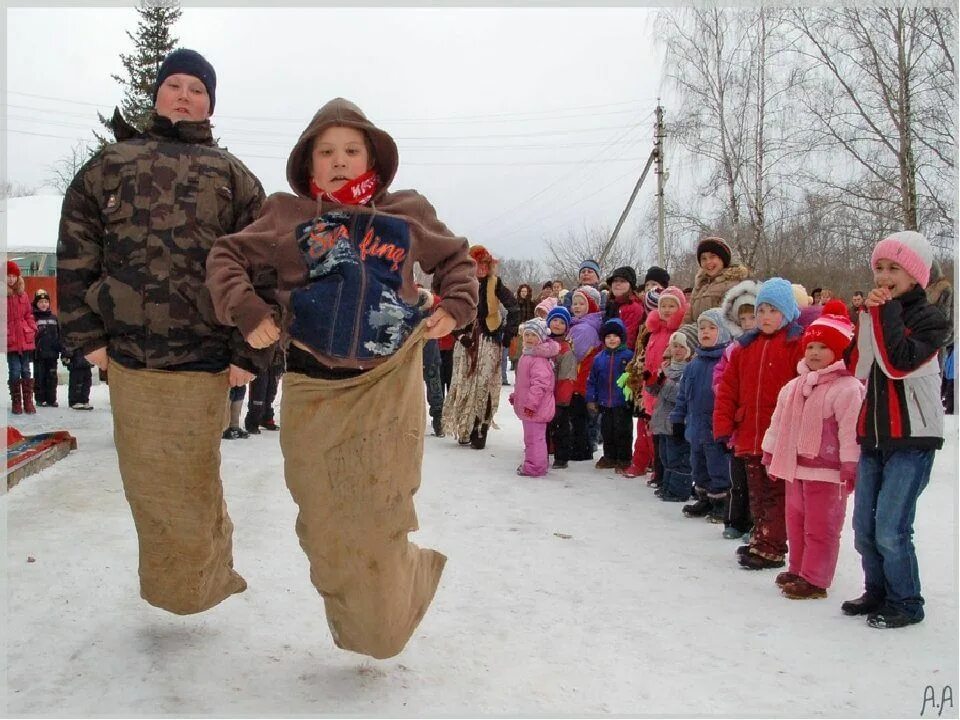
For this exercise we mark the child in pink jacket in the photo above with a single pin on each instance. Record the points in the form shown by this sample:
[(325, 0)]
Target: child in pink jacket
[(532, 398), (812, 445)]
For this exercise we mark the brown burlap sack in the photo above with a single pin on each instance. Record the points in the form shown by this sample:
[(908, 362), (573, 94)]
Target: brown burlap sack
[(167, 428), (352, 452)]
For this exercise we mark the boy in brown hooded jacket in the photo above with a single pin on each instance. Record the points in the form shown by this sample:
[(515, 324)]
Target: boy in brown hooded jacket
[(330, 269)]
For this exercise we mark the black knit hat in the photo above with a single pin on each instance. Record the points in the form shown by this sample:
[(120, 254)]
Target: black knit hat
[(718, 246), (188, 62), (627, 273), (658, 275)]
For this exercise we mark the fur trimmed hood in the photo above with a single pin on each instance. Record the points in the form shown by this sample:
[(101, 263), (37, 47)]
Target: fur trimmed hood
[(744, 292)]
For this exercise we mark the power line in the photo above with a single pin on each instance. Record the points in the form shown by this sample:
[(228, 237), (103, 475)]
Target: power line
[(454, 118)]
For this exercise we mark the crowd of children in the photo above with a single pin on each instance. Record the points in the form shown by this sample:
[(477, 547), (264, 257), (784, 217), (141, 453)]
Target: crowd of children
[(762, 409), (33, 336)]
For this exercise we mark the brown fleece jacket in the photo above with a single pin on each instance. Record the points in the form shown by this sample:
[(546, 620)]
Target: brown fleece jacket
[(254, 272), (708, 291)]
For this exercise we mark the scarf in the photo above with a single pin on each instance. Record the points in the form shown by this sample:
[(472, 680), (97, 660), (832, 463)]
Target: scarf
[(801, 426), (492, 319), (674, 371), (358, 191)]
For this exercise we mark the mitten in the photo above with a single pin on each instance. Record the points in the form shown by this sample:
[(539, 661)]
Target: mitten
[(466, 340), (510, 399), (679, 429), (848, 474), (623, 384), (766, 459)]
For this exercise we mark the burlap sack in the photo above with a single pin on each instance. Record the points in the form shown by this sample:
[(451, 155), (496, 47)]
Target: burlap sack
[(167, 428), (352, 452)]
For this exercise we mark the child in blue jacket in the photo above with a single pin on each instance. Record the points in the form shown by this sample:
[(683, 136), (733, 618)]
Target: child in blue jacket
[(692, 419), (616, 416)]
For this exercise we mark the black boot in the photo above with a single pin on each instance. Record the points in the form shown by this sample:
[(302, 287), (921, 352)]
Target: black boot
[(478, 438), (719, 505), (699, 508), (863, 605)]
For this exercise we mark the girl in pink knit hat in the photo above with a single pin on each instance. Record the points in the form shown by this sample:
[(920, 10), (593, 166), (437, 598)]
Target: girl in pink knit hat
[(811, 445), (900, 427)]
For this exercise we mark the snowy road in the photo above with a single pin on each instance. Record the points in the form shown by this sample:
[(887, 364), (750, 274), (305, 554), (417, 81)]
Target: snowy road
[(638, 611)]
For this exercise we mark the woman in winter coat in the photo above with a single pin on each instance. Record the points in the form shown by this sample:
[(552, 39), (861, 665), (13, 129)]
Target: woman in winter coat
[(533, 399), (475, 392), (812, 445), (715, 277), (526, 307), (21, 333)]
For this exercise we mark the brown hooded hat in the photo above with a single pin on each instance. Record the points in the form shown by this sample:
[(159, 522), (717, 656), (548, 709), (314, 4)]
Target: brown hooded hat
[(345, 114)]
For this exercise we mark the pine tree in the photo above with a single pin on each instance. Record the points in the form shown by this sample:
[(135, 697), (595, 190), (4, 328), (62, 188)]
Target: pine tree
[(152, 43)]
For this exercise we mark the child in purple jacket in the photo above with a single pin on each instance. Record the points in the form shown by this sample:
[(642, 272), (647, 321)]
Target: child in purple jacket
[(532, 398)]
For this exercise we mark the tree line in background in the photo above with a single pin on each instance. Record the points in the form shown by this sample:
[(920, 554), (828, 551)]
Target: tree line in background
[(809, 133)]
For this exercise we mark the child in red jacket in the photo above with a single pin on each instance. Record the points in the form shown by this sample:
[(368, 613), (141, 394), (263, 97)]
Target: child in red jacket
[(765, 361), (625, 303), (21, 332)]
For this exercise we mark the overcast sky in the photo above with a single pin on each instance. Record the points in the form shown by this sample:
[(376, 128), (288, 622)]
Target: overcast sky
[(516, 123)]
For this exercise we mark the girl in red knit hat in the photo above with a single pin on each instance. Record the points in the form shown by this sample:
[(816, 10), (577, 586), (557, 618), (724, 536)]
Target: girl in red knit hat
[(811, 444)]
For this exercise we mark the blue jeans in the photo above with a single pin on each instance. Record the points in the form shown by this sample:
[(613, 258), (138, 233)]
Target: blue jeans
[(18, 366), (504, 362), (885, 503), (710, 464)]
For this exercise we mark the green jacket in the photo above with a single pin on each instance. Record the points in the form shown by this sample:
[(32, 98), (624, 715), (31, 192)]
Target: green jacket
[(137, 224)]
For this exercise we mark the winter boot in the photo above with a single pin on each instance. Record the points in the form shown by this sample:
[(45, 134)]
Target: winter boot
[(719, 504), (16, 399), (887, 618), (863, 605), (478, 438), (269, 424), (26, 386), (800, 589), (752, 561), (786, 577), (699, 508), (438, 427)]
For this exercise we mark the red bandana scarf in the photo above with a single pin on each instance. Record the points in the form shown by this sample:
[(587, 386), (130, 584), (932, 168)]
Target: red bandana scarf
[(356, 192)]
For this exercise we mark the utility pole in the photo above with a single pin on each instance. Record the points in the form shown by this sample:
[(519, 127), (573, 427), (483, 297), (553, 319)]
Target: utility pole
[(661, 180), (655, 155)]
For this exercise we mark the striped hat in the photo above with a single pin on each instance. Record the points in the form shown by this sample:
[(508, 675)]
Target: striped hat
[(833, 328), (536, 326)]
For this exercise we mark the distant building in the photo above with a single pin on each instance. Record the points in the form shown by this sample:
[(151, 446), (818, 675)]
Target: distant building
[(32, 225)]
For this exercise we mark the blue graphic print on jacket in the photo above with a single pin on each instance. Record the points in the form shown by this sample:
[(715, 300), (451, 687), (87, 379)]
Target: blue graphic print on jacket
[(354, 263), (695, 397)]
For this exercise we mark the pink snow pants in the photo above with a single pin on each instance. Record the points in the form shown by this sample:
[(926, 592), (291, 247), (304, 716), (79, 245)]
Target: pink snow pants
[(534, 448), (815, 512)]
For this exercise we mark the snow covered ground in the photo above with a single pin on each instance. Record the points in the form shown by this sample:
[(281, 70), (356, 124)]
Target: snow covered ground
[(577, 594)]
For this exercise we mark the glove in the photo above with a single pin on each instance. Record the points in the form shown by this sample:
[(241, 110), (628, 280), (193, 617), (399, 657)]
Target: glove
[(66, 361), (466, 340), (528, 412), (724, 440), (848, 474), (646, 375), (624, 387), (678, 431), (592, 408)]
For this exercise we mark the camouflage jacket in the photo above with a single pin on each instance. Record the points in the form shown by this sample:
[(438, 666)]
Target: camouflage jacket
[(137, 224)]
